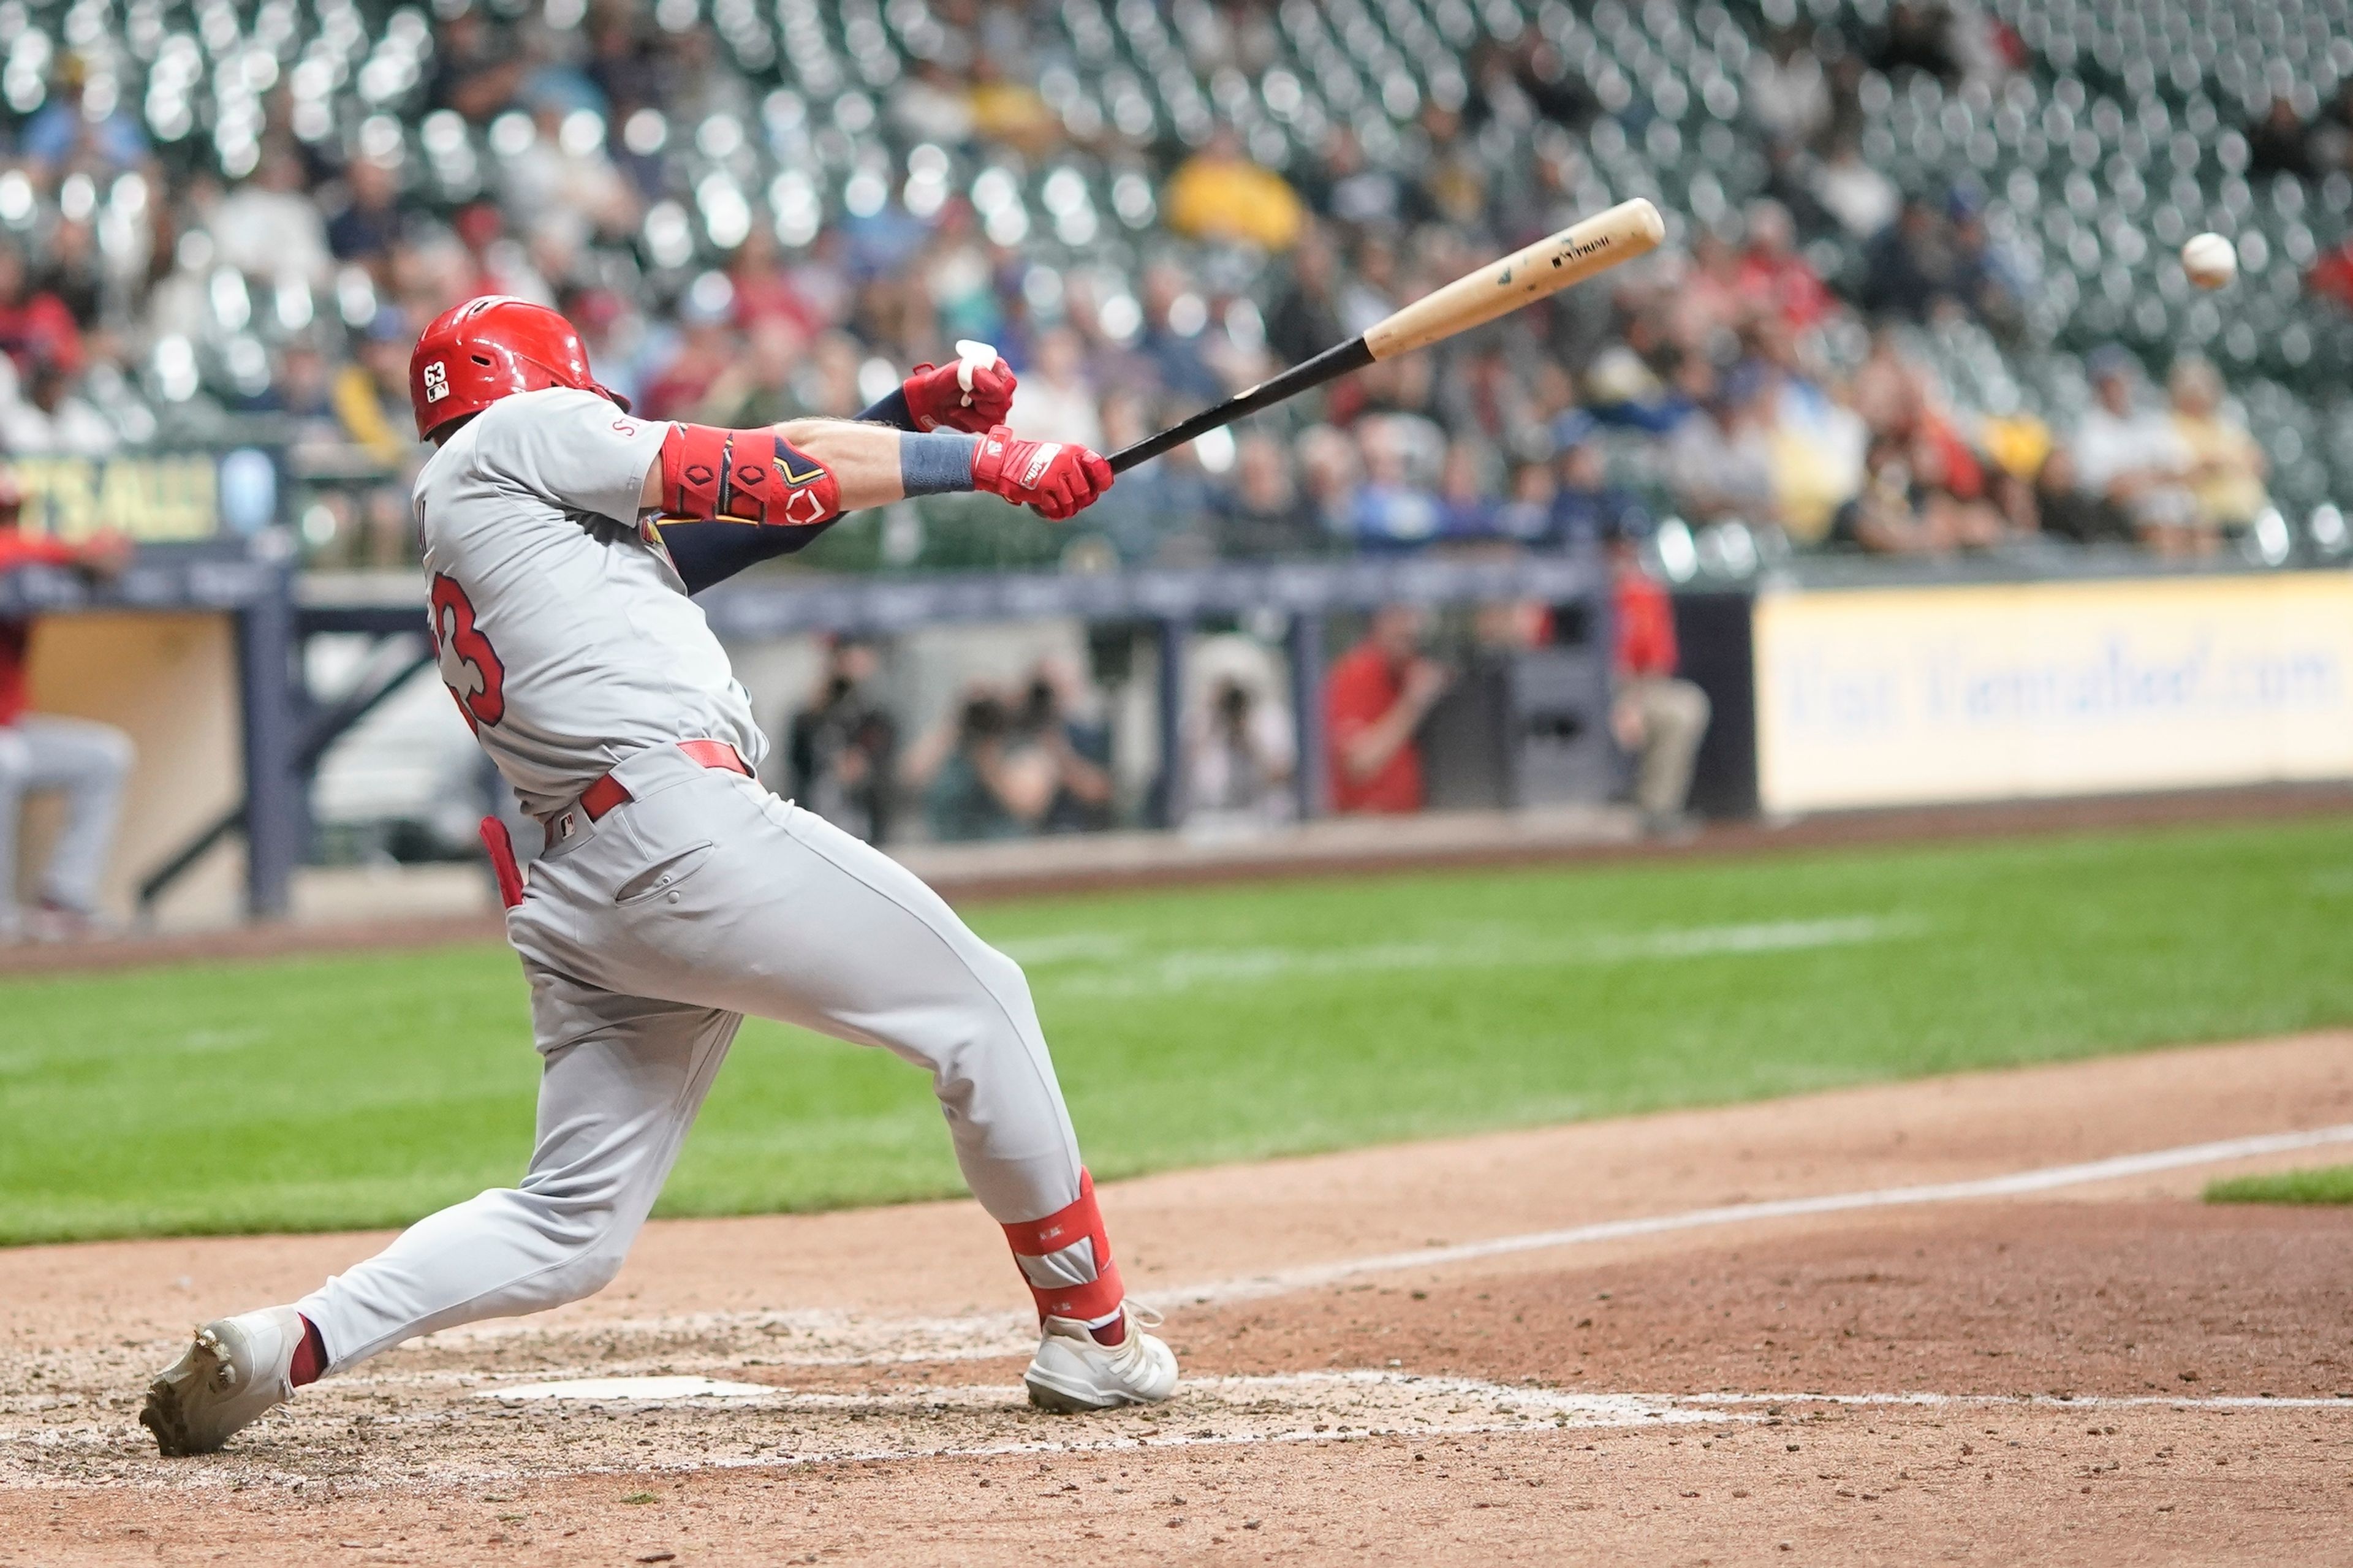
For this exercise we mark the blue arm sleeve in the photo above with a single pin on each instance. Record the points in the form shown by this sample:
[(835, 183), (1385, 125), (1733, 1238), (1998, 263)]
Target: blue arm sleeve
[(892, 410)]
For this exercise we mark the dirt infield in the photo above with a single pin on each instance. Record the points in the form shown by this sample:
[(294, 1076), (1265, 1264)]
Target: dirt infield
[(1951, 1320)]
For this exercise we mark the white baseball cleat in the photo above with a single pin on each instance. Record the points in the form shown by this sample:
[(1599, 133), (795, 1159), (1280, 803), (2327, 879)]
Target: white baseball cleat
[(236, 1370), (1072, 1372)]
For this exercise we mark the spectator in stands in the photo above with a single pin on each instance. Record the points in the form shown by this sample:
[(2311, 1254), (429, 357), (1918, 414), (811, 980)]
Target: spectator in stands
[(1174, 317), (1657, 718), (365, 228), (1467, 507), (74, 274), (1239, 749), (1375, 697), (977, 779), (841, 748), (1788, 92), (1525, 512), (705, 349), (1005, 108), (371, 394), (1262, 516), (477, 66), (2279, 142), (1350, 191), (1062, 719), (2227, 467), (1585, 507), (62, 136), (1987, 277), (1921, 496), (1056, 399), (760, 387), (1720, 460), (1918, 35), (2067, 510), (270, 226), (1773, 277), (764, 289), (1219, 194), (930, 104), (1305, 319), (1863, 200), (1389, 509), (49, 413), (2136, 458), (1372, 292), (565, 174), (1911, 267), (35, 325), (85, 762)]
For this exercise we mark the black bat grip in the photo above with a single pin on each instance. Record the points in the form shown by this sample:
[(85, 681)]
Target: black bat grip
[(1329, 366)]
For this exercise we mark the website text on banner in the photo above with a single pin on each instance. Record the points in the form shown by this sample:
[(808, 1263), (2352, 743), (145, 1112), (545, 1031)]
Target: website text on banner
[(1905, 695)]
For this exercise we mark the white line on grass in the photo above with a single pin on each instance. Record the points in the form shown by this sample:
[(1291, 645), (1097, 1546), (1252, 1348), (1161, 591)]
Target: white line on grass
[(1193, 968)]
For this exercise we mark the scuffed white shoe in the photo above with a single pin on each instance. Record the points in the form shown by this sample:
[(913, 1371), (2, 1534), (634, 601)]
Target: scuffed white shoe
[(236, 1370), (1071, 1373)]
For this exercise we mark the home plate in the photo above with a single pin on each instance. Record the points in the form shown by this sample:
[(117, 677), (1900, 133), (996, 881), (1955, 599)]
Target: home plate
[(631, 1390)]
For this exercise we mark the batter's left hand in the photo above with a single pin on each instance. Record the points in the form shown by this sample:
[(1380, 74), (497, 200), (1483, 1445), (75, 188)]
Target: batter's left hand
[(1053, 480), (937, 395)]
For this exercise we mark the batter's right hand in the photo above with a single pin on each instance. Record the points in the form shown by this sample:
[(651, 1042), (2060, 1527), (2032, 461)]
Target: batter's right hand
[(1054, 479)]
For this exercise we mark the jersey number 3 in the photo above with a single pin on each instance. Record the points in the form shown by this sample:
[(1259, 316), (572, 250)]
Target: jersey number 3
[(454, 633)]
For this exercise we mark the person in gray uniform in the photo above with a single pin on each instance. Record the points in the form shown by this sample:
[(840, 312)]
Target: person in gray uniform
[(563, 539)]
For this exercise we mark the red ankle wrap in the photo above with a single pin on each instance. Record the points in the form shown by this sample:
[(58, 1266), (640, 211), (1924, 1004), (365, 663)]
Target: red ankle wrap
[(1066, 1259), (309, 1356)]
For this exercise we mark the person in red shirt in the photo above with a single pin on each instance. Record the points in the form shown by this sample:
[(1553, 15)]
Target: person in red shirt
[(1375, 698), (1657, 717), (86, 762)]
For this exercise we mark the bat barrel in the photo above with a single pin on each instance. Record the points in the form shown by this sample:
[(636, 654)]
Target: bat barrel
[(1630, 229)]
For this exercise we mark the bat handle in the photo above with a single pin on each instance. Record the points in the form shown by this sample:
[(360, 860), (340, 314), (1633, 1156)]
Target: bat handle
[(1332, 363)]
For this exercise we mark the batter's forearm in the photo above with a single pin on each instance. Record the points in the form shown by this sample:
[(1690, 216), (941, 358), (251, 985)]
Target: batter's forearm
[(862, 459)]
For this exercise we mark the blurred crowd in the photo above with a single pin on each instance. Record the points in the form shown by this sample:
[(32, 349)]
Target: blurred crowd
[(1747, 375)]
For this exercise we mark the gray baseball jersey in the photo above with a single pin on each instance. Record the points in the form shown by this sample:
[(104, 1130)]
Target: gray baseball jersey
[(566, 635)]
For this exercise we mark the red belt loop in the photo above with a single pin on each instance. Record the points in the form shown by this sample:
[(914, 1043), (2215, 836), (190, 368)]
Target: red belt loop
[(608, 792)]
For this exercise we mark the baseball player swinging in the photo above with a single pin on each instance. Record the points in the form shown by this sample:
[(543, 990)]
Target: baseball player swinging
[(562, 539)]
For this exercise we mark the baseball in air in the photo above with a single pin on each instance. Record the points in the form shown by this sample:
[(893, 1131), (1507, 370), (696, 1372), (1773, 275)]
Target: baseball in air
[(2210, 260)]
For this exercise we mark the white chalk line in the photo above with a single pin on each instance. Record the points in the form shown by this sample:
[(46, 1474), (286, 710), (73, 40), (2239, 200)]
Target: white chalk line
[(2016, 1183), (1324, 1407), (848, 1339)]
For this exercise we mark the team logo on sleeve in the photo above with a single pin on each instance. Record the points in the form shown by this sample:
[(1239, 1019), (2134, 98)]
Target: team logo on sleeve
[(437, 380)]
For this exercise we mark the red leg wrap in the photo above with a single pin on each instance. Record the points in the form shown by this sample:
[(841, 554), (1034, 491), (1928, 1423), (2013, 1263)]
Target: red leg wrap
[(1055, 1250), (309, 1357)]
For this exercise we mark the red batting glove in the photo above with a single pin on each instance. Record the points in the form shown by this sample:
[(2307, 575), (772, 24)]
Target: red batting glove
[(1052, 479), (936, 398)]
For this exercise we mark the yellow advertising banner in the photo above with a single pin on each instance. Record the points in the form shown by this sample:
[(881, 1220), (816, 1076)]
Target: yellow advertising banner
[(1905, 696)]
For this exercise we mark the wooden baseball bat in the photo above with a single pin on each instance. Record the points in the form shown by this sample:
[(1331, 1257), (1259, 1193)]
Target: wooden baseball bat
[(1599, 243)]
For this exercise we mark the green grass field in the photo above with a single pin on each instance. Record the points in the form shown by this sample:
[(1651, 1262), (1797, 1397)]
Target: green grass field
[(2323, 1185), (1200, 1025)]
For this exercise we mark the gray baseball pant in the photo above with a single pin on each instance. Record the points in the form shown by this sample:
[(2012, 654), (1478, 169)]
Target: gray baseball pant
[(647, 937), (86, 762)]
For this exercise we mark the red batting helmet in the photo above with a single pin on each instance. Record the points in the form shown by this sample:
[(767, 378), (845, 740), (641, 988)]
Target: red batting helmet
[(491, 348)]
